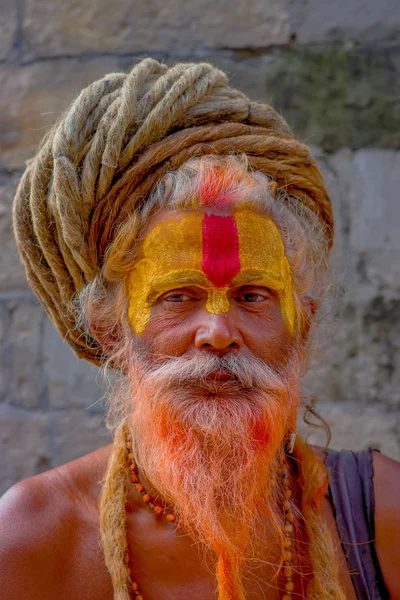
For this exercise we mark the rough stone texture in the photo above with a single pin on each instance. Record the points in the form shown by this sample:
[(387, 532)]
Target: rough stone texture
[(12, 274), (331, 377), (27, 384), (23, 445), (33, 97), (356, 431), (8, 26), (4, 354), (71, 382), (375, 218), (338, 96), (76, 433), (375, 246), (357, 354), (340, 21), (71, 27)]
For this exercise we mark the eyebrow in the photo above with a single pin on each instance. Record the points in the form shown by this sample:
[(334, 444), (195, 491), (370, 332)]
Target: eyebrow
[(248, 276), (175, 279)]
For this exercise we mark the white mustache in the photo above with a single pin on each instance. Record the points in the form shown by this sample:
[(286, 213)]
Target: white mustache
[(245, 372)]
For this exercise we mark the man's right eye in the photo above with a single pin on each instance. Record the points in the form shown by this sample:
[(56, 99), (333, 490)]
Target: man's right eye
[(176, 297)]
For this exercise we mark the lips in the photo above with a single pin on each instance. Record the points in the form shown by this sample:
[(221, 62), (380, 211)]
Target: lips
[(221, 375)]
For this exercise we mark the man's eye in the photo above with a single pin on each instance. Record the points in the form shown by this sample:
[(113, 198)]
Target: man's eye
[(176, 297), (252, 297)]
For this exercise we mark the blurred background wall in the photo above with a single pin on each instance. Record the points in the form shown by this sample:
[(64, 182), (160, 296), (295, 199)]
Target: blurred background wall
[(333, 70)]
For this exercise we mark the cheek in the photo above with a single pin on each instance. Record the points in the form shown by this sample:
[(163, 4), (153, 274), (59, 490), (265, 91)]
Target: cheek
[(268, 337), (164, 335)]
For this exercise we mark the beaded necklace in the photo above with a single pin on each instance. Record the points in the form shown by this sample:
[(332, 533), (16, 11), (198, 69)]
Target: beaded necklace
[(288, 529)]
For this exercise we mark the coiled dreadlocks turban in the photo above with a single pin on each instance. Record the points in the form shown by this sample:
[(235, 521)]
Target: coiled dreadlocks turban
[(108, 151)]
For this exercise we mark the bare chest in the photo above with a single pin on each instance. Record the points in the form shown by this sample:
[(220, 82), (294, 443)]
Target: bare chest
[(168, 565)]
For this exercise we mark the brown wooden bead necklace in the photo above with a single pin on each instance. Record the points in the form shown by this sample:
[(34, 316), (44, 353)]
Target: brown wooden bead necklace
[(289, 532)]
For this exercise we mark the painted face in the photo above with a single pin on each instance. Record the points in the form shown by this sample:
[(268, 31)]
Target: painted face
[(215, 253)]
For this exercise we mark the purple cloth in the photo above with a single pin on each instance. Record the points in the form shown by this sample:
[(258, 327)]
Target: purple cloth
[(351, 493)]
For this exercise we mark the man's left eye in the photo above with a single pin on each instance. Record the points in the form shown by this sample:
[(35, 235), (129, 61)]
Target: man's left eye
[(253, 297)]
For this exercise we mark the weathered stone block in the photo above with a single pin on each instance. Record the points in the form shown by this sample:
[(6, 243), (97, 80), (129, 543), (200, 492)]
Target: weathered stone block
[(337, 172), (73, 28), (4, 351), (28, 386), (8, 26), (359, 20), (23, 446), (71, 382), (355, 426), (379, 336), (32, 98), (375, 222), (12, 273), (358, 357), (357, 351), (333, 374), (335, 350), (337, 97), (75, 433), (375, 245)]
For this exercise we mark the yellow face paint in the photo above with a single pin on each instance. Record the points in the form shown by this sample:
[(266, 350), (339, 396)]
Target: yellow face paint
[(212, 252)]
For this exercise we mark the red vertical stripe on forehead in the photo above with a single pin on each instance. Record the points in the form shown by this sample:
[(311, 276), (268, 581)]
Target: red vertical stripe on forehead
[(220, 262)]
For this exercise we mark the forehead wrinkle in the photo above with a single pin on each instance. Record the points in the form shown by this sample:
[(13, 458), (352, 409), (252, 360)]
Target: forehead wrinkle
[(259, 276)]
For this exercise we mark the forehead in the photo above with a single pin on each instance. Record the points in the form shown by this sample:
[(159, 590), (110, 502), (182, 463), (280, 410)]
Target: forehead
[(188, 235)]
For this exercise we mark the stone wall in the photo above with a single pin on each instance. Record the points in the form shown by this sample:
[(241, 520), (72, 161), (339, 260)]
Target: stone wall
[(333, 70)]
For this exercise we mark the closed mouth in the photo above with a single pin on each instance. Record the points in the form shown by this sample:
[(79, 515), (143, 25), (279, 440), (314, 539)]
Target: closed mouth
[(221, 375)]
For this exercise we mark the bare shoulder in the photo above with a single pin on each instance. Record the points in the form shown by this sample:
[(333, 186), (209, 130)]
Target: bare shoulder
[(49, 530), (387, 519)]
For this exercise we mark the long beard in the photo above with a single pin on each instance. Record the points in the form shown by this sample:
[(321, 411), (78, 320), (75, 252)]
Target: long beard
[(211, 449)]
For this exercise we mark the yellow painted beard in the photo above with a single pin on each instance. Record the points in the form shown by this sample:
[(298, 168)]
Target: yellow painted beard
[(205, 250)]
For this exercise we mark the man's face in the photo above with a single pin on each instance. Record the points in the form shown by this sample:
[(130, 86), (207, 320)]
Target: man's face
[(213, 283)]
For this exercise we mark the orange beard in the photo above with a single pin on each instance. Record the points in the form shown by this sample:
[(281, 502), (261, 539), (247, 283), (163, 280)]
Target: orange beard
[(213, 450)]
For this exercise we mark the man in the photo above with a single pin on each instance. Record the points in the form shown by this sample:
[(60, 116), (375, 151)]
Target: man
[(179, 233)]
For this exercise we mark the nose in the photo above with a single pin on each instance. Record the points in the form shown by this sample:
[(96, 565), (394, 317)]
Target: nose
[(218, 333)]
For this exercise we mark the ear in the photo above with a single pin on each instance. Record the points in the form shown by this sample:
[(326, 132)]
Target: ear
[(310, 310), (104, 335)]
